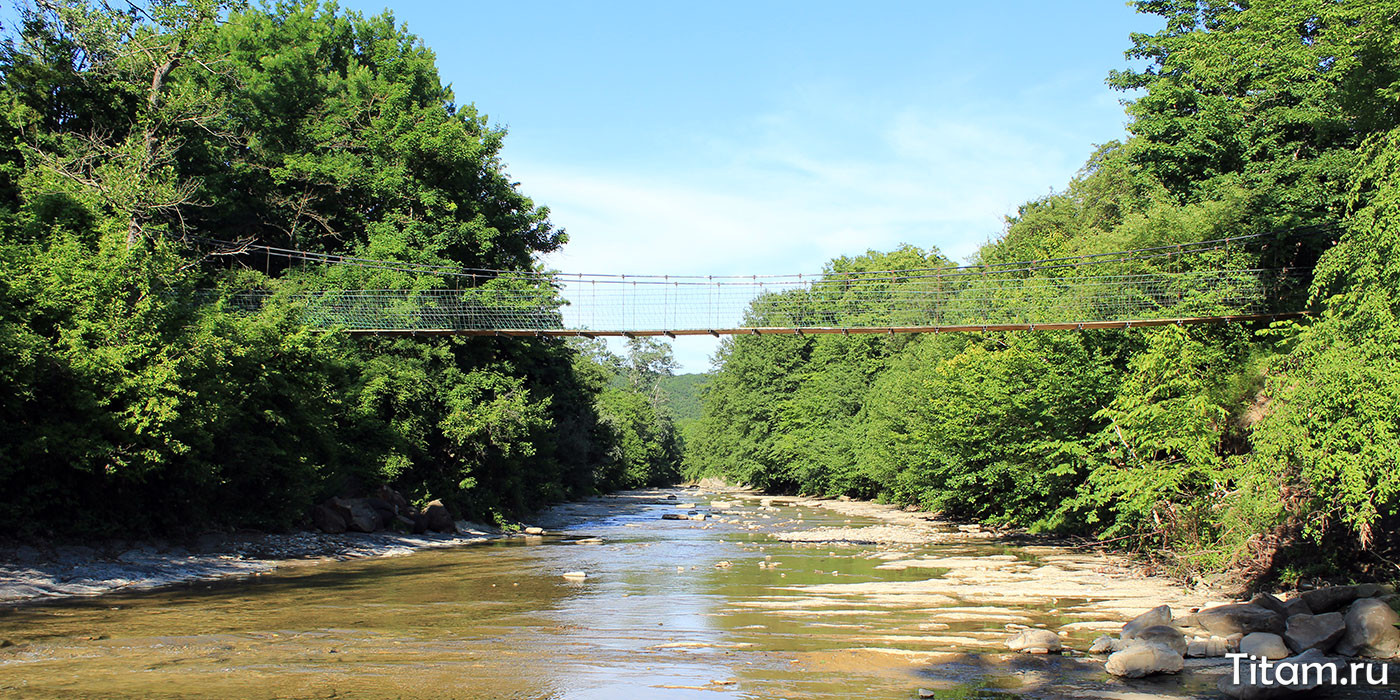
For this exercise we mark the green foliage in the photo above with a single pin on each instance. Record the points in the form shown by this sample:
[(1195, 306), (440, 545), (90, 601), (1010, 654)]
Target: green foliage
[(138, 399), (1267, 450)]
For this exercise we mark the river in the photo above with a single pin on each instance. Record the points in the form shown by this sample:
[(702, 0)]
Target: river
[(668, 609)]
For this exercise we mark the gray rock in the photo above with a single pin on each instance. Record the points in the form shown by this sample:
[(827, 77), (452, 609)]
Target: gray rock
[(1269, 602), (1374, 590), (1102, 645), (1144, 660), (1029, 641), (1264, 645), (1160, 615), (357, 514), (1320, 632), (1371, 630), (1225, 620), (1296, 606), (327, 520), (1325, 600), (1305, 672), (1164, 635)]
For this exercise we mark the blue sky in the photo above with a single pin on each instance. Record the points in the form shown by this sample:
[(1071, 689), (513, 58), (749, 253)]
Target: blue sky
[(768, 137)]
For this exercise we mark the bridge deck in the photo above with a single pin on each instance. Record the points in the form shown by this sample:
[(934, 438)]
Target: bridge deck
[(978, 328)]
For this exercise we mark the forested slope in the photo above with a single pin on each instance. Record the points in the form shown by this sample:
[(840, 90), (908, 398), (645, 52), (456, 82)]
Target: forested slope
[(134, 399), (1267, 449)]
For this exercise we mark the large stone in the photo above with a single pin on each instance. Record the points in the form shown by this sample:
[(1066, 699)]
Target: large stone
[(1102, 645), (1144, 660), (358, 516), (1371, 630), (1320, 632), (1269, 602), (1329, 599), (439, 518), (1296, 606), (327, 520), (1160, 615), (1264, 645), (1164, 635), (394, 499), (1031, 640), (1296, 676), (1374, 590), (1225, 620)]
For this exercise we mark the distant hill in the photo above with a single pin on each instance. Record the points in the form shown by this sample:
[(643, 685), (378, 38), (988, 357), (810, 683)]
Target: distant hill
[(682, 392)]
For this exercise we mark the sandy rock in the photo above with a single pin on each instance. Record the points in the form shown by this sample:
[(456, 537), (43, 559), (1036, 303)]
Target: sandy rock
[(1321, 632), (1371, 630), (575, 575), (1103, 645), (534, 531), (1212, 648), (1264, 645), (327, 520), (1028, 641), (1163, 635), (1225, 620), (1144, 660), (1304, 672), (1325, 600), (439, 518), (1160, 615)]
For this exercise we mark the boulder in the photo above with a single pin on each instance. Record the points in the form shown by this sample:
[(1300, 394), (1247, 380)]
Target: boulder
[(1371, 630), (327, 520), (1102, 645), (1320, 632), (1296, 606), (357, 514), (534, 531), (1329, 599), (1264, 645), (1164, 635), (1144, 660), (1374, 590), (1225, 620), (1034, 640), (395, 499), (1160, 615), (1296, 676), (439, 518), (420, 522), (674, 516), (1269, 602), (385, 509)]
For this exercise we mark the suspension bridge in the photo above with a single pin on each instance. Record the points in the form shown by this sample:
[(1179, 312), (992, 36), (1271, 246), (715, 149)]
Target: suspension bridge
[(1215, 281)]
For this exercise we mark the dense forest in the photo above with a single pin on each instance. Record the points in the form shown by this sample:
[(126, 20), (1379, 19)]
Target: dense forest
[(129, 139), (1269, 450), (134, 140)]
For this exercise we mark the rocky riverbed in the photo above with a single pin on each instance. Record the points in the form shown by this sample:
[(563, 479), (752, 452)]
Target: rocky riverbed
[(665, 593)]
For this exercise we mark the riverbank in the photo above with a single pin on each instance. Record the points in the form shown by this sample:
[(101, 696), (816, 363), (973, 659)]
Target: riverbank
[(35, 573), (31, 573)]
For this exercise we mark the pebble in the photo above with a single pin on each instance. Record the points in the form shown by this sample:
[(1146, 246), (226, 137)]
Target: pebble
[(575, 575)]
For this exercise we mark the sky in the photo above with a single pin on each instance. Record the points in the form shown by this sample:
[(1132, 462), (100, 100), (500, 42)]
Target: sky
[(768, 137)]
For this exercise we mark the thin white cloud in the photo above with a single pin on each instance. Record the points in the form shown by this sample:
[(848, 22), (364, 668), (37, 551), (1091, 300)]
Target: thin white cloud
[(779, 199)]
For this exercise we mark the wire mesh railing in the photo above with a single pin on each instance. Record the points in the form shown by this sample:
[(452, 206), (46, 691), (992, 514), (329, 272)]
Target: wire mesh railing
[(898, 300)]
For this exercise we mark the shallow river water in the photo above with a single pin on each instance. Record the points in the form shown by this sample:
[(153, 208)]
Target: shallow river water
[(669, 609)]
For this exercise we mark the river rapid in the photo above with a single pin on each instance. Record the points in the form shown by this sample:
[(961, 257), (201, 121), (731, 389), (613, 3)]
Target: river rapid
[(764, 598)]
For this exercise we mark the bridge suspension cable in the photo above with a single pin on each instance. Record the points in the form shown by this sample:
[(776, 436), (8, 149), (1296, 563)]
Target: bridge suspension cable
[(1185, 283)]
